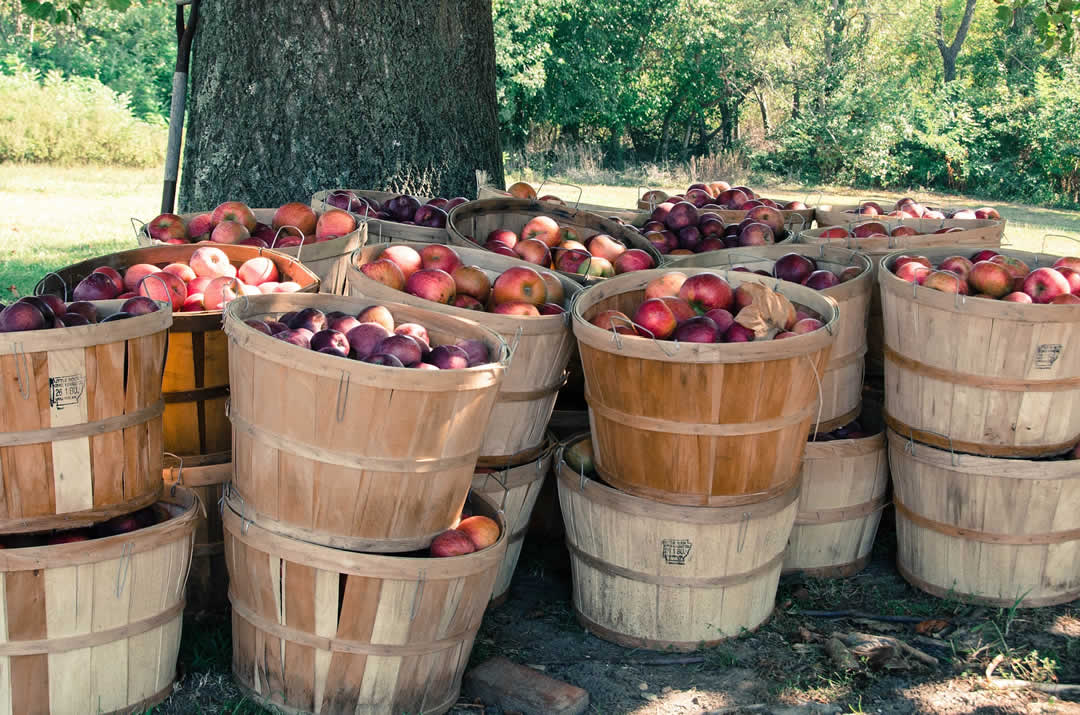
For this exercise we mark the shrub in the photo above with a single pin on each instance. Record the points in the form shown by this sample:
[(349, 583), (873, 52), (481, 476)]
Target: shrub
[(75, 120)]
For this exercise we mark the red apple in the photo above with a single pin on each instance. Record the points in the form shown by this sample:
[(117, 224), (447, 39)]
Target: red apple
[(1068, 262), (699, 329), (793, 267), (655, 316), (432, 284), (807, 325), (520, 284), (96, 286), (1018, 297), (666, 285), (233, 211), (573, 261), (210, 262), (870, 228), (377, 314), (1072, 276), (850, 273), (551, 309), (199, 227), (451, 543), (835, 232), (958, 265), (738, 334), (168, 228), (634, 259), (990, 278), (1044, 284), (164, 287), (1015, 267), (705, 291), (821, 280), (903, 231), (297, 215), (364, 337), (946, 282), (601, 267), (542, 228), (334, 223), (471, 281), (604, 246), (256, 271), (386, 272), (500, 248), (506, 236), (983, 255), (901, 260), (679, 307), (516, 308), (680, 216), (405, 257), (614, 320), (756, 234), (533, 251), (1066, 299), (912, 272), (437, 255)]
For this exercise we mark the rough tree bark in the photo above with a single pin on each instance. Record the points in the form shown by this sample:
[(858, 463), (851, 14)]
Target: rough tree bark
[(291, 98), (950, 52)]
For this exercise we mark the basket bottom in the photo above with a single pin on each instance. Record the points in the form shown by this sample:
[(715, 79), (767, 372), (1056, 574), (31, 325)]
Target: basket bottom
[(951, 594), (628, 641), (837, 571)]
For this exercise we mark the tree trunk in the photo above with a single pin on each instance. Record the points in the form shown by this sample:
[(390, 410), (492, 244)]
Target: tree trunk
[(763, 105), (291, 98), (796, 102), (950, 52)]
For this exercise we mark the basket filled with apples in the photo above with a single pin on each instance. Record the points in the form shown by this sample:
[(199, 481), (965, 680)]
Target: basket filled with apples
[(717, 372), (94, 614), (731, 203), (322, 240), (527, 305), (197, 280), (578, 244), (396, 400), (876, 237), (81, 424), (392, 216), (681, 229), (843, 275), (845, 476), (525, 190), (907, 209), (419, 612), (981, 350)]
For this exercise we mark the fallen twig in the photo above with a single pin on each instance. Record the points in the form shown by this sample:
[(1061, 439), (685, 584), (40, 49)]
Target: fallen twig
[(1052, 688), (736, 709), (993, 664), (860, 614), (906, 648), (841, 656), (673, 660)]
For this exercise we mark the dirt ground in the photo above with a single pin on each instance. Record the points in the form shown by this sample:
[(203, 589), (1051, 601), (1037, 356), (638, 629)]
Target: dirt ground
[(781, 668)]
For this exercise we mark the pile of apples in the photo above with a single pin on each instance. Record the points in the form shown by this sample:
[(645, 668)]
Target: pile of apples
[(437, 273), (117, 525), (234, 222), (701, 308), (910, 208), (876, 229), (543, 242), (682, 228), (371, 336), (720, 195), (403, 208), (473, 533), (49, 311), (989, 274), (804, 270), (206, 282)]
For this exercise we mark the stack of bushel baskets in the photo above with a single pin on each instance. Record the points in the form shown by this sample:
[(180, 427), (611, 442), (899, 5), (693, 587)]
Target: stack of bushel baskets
[(94, 555), (345, 471), (677, 536), (195, 431), (981, 403), (515, 451), (845, 470)]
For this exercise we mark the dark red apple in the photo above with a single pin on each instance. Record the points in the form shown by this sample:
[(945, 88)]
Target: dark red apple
[(312, 319), (476, 350), (448, 357), (700, 329), (681, 215), (821, 280), (331, 339), (738, 334), (21, 316), (260, 326), (793, 267), (300, 337), (404, 348), (364, 337), (96, 286)]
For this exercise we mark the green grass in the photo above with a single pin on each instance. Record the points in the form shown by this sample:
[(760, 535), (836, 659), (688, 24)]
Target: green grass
[(55, 216)]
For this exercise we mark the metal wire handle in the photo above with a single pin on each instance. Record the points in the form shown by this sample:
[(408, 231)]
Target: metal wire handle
[(39, 288), (299, 248)]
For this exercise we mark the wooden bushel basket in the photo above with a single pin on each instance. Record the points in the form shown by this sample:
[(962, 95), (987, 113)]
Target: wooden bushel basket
[(999, 532), (983, 234), (80, 421), (700, 424), (630, 216), (321, 630), (477, 219), (541, 349), (665, 577), (196, 381), (372, 458), (841, 386), (207, 579), (328, 260), (515, 490), (977, 375), (94, 626), (844, 483), (380, 231), (827, 215), (795, 219)]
